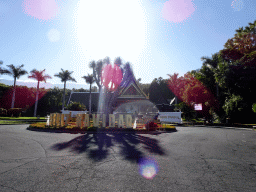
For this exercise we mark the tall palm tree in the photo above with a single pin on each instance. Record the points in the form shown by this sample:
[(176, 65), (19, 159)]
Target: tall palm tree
[(65, 76), (39, 76), (89, 79), (16, 72)]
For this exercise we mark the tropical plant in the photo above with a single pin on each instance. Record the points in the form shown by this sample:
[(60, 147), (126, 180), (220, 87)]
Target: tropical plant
[(235, 107), (39, 76), (89, 79), (16, 72), (65, 76)]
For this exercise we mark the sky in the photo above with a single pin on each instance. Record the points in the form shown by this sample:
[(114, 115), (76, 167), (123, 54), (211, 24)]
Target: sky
[(158, 37)]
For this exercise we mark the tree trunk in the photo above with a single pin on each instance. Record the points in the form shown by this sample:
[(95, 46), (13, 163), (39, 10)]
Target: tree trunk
[(90, 100), (63, 102), (37, 93), (13, 95)]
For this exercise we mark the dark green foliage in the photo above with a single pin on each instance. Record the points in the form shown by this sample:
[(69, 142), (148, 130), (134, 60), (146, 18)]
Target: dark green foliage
[(94, 129), (237, 109), (76, 106), (3, 112), (159, 91), (254, 107), (14, 112), (187, 112)]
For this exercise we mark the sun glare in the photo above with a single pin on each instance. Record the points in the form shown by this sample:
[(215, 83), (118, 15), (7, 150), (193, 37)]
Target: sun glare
[(110, 28)]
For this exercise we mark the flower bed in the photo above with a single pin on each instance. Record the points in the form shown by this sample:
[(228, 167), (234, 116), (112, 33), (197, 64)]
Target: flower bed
[(72, 127)]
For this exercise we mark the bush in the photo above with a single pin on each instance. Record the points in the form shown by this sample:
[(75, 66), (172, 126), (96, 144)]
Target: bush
[(15, 112), (76, 106), (3, 112), (254, 107), (92, 128)]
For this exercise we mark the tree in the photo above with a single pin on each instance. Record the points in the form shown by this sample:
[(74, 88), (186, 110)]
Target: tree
[(89, 79), (3, 71), (16, 72), (39, 76), (65, 76), (248, 29), (112, 79), (210, 77), (192, 91), (97, 69), (242, 47)]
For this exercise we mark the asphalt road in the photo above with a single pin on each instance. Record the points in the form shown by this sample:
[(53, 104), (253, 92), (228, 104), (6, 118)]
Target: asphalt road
[(191, 159)]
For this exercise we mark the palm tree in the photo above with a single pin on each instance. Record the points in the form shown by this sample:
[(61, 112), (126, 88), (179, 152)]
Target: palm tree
[(39, 76), (3, 71), (89, 79), (65, 76), (211, 65), (16, 72)]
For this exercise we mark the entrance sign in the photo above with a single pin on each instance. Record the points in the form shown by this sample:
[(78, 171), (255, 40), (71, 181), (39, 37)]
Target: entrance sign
[(111, 120), (62, 120), (170, 117), (198, 107), (95, 119), (128, 121), (83, 120), (79, 120), (121, 121), (67, 118), (86, 120), (104, 120)]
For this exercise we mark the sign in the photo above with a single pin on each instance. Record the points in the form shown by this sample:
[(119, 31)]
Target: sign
[(198, 107), (83, 120), (170, 117)]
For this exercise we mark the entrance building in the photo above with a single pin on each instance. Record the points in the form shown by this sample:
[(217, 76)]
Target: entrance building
[(131, 99)]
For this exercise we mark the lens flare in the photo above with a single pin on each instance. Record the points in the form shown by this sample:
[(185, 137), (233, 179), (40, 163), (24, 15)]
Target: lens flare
[(148, 167), (237, 5), (53, 35), (177, 11), (40, 9), (111, 77)]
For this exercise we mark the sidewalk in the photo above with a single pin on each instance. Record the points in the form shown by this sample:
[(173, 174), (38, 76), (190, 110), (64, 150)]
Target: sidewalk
[(221, 125)]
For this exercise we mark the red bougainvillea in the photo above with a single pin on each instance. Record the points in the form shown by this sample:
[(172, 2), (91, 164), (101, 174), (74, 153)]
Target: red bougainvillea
[(24, 96), (191, 91)]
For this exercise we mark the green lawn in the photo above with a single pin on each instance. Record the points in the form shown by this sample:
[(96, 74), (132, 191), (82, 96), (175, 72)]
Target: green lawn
[(2, 122), (20, 118)]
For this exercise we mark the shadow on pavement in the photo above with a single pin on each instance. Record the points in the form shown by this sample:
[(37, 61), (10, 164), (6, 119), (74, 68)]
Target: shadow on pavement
[(128, 145)]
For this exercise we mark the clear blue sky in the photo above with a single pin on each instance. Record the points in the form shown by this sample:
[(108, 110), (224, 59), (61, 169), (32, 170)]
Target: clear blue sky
[(158, 37)]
